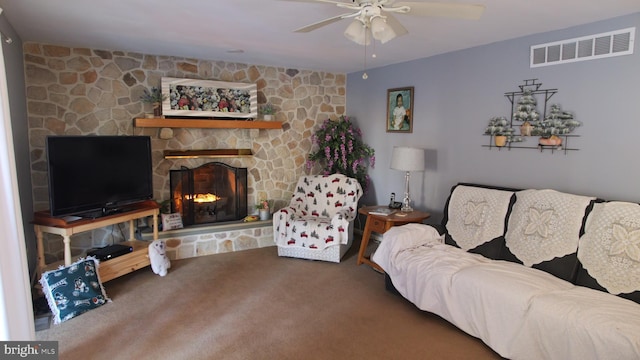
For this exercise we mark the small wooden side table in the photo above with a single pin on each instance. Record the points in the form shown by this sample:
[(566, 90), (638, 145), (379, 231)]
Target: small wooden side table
[(382, 223)]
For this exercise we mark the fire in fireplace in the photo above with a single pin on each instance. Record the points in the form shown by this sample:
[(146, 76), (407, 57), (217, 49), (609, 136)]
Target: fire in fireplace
[(213, 192)]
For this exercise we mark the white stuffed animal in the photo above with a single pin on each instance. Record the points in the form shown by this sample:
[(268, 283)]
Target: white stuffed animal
[(157, 255)]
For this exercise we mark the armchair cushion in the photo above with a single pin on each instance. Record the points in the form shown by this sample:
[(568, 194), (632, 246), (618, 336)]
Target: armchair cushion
[(318, 216)]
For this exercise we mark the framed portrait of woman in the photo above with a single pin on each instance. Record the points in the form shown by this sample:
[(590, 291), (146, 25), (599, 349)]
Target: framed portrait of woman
[(400, 110)]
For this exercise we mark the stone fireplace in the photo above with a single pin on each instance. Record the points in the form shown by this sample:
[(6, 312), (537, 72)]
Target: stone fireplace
[(214, 192), (84, 91)]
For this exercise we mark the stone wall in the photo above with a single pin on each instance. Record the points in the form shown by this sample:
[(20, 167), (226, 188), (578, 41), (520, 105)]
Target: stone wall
[(81, 91)]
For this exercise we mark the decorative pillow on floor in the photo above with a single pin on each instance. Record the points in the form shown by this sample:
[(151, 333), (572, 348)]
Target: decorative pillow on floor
[(74, 289)]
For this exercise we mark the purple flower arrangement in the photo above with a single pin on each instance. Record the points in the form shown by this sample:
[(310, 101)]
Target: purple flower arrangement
[(340, 150)]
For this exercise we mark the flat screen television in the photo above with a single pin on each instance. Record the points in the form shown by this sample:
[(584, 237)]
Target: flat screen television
[(93, 176)]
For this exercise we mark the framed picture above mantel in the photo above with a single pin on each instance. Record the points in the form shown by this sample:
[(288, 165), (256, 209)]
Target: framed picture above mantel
[(209, 99)]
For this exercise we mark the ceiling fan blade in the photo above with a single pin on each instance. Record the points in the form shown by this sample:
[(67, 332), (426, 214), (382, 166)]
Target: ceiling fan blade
[(395, 25), (317, 1), (459, 11), (319, 24), (341, 4)]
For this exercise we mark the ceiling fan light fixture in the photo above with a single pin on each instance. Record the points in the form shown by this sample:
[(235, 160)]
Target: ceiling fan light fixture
[(380, 30), (374, 18), (357, 32)]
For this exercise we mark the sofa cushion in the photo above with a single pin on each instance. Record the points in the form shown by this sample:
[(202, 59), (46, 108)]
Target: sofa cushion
[(544, 229), (487, 299), (408, 236), (609, 250), (581, 323), (476, 219), (491, 300)]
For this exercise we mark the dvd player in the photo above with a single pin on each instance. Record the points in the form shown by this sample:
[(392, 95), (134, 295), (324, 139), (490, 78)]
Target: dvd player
[(110, 251)]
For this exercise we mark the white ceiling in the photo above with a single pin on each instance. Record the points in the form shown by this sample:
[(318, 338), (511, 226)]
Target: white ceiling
[(263, 29)]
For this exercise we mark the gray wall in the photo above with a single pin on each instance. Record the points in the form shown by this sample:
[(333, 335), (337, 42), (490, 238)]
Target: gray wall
[(457, 93), (14, 65)]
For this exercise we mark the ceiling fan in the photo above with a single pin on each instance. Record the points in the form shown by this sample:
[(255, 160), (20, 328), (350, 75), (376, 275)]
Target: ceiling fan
[(376, 16)]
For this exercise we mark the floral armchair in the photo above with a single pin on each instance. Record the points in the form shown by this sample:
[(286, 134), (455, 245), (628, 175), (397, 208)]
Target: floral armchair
[(318, 223)]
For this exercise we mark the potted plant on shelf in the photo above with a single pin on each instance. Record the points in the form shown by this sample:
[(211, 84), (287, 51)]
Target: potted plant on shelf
[(267, 110), (526, 112), (263, 209), (155, 97), (501, 131), (558, 122)]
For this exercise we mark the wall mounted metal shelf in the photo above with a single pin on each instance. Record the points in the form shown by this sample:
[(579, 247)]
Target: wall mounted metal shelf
[(564, 147), (533, 87)]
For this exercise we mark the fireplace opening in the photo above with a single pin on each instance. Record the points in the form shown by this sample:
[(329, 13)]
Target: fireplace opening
[(213, 192)]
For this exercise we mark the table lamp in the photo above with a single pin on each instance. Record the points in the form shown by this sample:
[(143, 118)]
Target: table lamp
[(407, 159)]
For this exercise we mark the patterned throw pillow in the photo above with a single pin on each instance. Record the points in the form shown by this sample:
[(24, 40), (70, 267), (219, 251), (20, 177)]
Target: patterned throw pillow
[(610, 247), (544, 229), (545, 224), (74, 289), (476, 216), (171, 221)]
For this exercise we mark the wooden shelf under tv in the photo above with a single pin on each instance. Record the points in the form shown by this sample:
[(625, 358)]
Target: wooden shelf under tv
[(113, 268), (205, 123)]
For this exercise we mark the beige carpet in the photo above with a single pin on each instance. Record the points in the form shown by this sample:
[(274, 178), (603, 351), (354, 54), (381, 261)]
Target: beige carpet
[(255, 305)]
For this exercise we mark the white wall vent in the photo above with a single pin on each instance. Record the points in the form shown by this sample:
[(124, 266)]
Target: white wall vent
[(614, 43)]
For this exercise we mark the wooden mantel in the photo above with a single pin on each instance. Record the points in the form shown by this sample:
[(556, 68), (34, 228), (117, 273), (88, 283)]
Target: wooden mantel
[(205, 123), (206, 153)]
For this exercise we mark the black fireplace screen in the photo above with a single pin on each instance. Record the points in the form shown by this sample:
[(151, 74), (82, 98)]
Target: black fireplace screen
[(213, 192)]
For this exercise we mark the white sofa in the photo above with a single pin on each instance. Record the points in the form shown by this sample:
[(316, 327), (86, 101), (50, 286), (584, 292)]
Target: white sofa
[(534, 274)]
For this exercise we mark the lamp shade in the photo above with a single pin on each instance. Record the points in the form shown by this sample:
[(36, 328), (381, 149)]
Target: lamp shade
[(380, 30), (407, 158), (357, 32)]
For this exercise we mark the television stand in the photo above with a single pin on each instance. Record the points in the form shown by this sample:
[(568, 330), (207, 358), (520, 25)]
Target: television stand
[(100, 213), (108, 270)]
